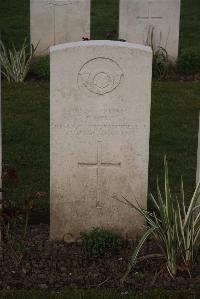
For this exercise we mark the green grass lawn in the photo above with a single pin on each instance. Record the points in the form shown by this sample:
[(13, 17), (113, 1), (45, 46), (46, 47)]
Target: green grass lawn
[(190, 24), (93, 294), (26, 137), (174, 128), (104, 18), (14, 21)]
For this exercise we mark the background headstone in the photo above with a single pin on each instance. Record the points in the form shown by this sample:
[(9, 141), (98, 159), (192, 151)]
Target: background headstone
[(58, 21), (138, 18), (100, 123)]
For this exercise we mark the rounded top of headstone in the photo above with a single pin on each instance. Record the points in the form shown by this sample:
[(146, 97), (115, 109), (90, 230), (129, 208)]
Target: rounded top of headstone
[(100, 43)]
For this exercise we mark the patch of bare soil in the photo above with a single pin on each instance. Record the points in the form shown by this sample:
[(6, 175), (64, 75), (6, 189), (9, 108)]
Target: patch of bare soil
[(56, 265)]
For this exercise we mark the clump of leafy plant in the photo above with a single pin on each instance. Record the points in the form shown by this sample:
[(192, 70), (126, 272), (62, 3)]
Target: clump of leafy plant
[(40, 68), (174, 226), (189, 61), (97, 242), (160, 65), (16, 63)]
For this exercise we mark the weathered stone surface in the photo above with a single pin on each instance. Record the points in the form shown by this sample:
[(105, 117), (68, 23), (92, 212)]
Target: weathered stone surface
[(100, 122), (138, 18), (58, 21)]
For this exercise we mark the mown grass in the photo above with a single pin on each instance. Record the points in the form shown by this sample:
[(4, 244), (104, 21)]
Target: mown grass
[(174, 129), (94, 294), (26, 138), (14, 21), (104, 19)]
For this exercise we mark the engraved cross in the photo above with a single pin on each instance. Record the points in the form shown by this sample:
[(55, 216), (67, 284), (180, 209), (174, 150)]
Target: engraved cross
[(98, 165), (149, 15)]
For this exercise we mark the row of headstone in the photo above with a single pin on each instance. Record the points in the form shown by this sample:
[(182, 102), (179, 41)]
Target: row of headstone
[(148, 22)]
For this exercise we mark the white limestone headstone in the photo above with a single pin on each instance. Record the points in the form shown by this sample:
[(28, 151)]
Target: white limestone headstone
[(54, 22), (100, 123), (139, 18), (198, 157)]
